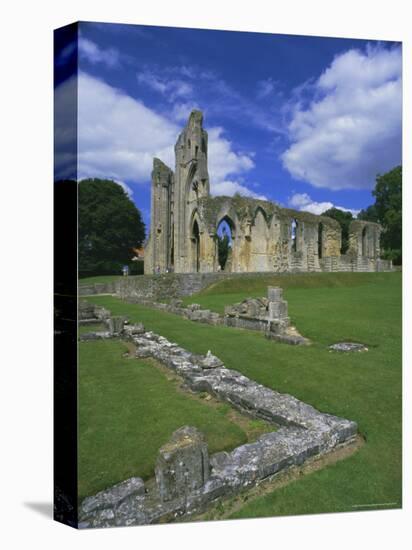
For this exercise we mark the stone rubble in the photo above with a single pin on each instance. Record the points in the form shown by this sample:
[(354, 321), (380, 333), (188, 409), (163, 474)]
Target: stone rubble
[(268, 315), (348, 346), (192, 312), (187, 481), (114, 325)]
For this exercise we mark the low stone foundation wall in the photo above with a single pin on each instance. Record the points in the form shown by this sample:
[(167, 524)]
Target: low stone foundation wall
[(187, 479), (177, 285), (276, 327), (192, 312), (357, 264), (161, 287)]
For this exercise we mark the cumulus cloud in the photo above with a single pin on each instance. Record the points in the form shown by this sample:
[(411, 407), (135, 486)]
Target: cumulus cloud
[(126, 188), (118, 136), (230, 188), (181, 110), (351, 129), (93, 53), (302, 201), (223, 161), (65, 158)]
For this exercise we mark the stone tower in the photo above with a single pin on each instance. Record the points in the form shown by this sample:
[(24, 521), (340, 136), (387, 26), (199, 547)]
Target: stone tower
[(191, 184), (161, 239)]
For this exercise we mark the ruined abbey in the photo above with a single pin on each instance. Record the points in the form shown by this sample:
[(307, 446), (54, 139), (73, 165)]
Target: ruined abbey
[(263, 236)]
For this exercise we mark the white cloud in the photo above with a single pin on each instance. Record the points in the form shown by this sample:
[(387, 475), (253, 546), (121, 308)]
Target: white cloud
[(229, 188), (302, 201), (66, 53), (93, 53), (118, 136), (65, 129), (128, 190), (266, 87), (351, 130), (193, 85), (181, 111), (172, 88), (223, 161)]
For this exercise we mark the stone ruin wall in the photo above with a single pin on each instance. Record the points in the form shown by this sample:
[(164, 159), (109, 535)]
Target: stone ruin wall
[(187, 479), (265, 237)]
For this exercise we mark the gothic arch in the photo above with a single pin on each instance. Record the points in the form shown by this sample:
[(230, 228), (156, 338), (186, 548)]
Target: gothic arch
[(364, 241), (190, 194), (195, 230), (226, 218), (264, 214), (227, 211), (294, 228), (321, 240)]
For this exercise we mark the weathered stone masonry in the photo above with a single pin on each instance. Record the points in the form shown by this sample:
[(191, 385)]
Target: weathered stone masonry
[(265, 237), (188, 480)]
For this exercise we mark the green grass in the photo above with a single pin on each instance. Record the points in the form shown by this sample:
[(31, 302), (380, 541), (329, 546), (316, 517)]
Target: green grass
[(95, 327), (128, 410), (99, 279), (230, 291), (365, 387)]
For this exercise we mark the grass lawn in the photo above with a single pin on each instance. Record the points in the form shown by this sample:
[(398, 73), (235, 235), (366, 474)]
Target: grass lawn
[(128, 410), (365, 387), (99, 279), (95, 327)]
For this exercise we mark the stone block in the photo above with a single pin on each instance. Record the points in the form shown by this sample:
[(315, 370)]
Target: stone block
[(137, 328), (113, 496), (210, 361), (275, 293), (182, 464), (278, 310), (115, 324)]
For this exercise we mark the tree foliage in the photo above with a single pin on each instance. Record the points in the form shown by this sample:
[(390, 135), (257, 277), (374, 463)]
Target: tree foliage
[(344, 218), (387, 211), (110, 225)]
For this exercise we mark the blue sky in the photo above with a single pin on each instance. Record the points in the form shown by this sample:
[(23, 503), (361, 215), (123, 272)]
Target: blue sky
[(307, 122)]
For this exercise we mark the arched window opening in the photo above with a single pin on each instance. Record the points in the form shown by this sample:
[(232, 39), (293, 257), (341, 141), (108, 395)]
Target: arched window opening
[(320, 240), (196, 246), (364, 241), (294, 234), (224, 242)]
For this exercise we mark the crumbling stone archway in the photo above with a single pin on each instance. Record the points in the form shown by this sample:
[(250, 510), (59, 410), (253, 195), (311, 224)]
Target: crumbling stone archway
[(259, 239), (225, 234), (294, 225), (365, 241), (264, 236), (195, 234), (320, 240), (196, 246)]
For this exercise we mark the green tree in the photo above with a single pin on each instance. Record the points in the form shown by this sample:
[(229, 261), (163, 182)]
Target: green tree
[(344, 218), (387, 211), (368, 214), (110, 225)]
